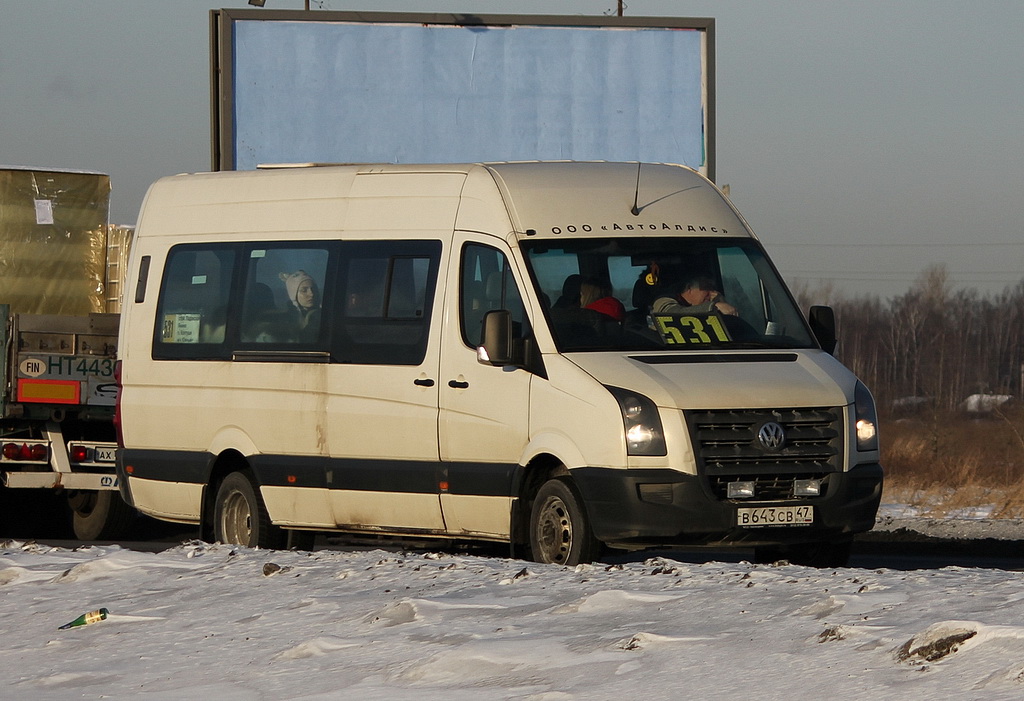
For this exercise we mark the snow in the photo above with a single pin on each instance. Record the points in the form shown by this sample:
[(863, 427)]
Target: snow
[(223, 622)]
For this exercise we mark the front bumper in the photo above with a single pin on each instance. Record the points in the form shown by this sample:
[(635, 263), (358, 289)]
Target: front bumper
[(659, 508)]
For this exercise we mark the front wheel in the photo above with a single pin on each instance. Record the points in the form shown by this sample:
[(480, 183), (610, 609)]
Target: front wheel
[(240, 517), (560, 531)]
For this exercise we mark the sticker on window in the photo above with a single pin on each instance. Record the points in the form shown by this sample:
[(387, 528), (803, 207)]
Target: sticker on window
[(181, 328), (689, 329)]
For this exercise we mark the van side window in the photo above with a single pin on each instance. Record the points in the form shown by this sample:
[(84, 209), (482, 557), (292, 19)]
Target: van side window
[(487, 284), (192, 310), (385, 294), (283, 294)]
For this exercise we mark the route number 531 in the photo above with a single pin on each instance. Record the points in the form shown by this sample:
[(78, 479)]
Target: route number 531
[(679, 329)]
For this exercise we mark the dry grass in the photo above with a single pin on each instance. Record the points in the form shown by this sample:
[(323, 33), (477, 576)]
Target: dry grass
[(943, 462)]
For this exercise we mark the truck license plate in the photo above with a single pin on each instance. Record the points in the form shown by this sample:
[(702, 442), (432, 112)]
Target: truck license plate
[(106, 454), (766, 516)]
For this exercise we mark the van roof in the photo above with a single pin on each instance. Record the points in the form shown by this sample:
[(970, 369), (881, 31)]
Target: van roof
[(535, 199), (600, 198)]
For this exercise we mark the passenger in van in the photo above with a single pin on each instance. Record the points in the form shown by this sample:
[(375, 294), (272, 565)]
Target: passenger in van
[(570, 296), (594, 319), (305, 298), (598, 297), (213, 326), (696, 295), (262, 321)]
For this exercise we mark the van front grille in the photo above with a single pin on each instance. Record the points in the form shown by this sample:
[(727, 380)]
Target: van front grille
[(728, 447)]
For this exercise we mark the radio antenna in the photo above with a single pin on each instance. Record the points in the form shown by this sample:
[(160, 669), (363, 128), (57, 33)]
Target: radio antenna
[(636, 197)]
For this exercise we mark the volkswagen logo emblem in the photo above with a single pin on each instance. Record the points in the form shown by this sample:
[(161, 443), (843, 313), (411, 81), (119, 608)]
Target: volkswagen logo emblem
[(772, 436)]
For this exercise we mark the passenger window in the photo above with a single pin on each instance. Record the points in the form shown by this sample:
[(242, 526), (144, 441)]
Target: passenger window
[(377, 297), (283, 296), (487, 284), (192, 310), (386, 291)]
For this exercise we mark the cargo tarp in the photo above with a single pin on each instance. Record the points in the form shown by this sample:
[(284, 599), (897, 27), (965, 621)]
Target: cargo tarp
[(53, 240)]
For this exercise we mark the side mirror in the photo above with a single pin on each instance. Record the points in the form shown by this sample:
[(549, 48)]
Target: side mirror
[(496, 348), (823, 326)]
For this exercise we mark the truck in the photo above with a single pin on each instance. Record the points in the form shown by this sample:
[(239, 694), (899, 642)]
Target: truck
[(60, 285)]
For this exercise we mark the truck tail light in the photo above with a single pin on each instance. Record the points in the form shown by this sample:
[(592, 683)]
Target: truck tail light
[(25, 451)]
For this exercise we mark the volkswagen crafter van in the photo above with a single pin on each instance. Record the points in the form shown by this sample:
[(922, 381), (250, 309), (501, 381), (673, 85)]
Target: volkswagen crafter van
[(496, 352)]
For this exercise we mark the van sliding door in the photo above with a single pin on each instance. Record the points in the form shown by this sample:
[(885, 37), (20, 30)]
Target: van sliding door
[(383, 388)]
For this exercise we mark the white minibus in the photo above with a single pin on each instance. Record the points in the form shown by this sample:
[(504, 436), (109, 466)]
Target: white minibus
[(561, 356)]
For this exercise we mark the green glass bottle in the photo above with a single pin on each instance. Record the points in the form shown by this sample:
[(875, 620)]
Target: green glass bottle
[(86, 618)]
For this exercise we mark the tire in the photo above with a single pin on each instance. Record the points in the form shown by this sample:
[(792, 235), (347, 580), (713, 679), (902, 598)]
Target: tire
[(560, 531), (240, 517), (822, 555), (100, 515)]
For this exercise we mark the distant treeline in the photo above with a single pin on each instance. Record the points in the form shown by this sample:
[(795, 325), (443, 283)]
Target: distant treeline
[(931, 347)]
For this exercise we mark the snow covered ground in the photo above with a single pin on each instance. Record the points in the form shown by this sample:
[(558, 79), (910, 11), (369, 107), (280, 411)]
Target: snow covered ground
[(220, 622)]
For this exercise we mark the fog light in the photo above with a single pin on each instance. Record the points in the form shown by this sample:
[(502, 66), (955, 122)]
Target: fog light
[(656, 493), (806, 488), (740, 490)]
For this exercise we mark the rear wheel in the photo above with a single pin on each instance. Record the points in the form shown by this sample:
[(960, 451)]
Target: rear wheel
[(560, 531), (240, 517), (100, 515)]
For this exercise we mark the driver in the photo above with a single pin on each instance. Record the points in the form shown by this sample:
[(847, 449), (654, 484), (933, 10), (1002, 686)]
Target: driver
[(697, 295)]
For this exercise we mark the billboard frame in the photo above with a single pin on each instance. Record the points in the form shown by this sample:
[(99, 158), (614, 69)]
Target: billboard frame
[(222, 50)]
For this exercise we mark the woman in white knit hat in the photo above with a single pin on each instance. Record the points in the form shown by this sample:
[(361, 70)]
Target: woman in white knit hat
[(304, 296)]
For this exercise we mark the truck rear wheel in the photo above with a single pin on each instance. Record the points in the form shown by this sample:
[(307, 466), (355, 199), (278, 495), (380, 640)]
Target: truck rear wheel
[(240, 517), (100, 515), (560, 531)]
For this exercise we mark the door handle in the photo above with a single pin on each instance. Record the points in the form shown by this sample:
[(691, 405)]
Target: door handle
[(423, 382), (455, 384)]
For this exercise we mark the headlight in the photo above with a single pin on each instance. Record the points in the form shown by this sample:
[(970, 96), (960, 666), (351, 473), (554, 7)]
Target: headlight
[(866, 419), (641, 423)]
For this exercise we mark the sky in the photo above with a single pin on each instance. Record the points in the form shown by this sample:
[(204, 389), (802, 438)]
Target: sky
[(864, 142), (231, 623)]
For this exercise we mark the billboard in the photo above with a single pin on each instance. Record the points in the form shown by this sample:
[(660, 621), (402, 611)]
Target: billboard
[(350, 87)]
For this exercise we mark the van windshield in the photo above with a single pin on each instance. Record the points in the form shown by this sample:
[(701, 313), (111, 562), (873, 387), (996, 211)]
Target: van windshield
[(663, 293)]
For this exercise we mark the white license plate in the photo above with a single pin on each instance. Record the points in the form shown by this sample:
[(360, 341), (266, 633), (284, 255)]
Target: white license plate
[(765, 516), (106, 454)]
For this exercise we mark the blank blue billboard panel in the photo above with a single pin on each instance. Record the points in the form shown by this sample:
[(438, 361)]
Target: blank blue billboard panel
[(415, 92)]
